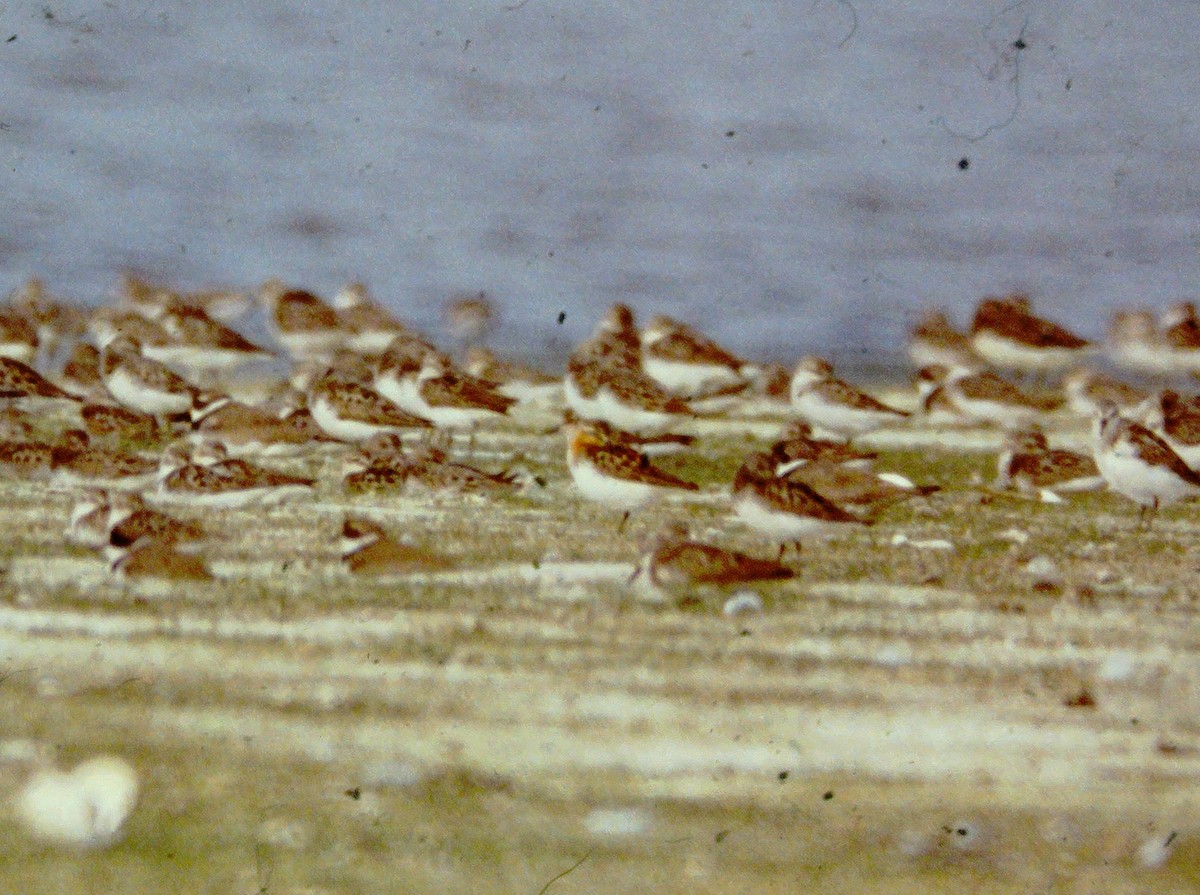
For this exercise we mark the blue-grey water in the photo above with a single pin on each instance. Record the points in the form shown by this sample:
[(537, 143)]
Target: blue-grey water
[(791, 176)]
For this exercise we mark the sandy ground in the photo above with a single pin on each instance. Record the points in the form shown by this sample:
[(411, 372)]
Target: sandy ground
[(917, 711)]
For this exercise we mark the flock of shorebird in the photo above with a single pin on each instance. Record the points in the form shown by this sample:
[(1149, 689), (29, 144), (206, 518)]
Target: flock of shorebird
[(143, 372)]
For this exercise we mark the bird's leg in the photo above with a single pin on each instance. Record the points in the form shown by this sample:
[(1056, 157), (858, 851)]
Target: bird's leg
[(624, 519)]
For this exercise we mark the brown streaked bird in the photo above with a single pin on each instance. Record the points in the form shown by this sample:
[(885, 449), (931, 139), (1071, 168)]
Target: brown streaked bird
[(130, 520), (230, 483), (1005, 332), (148, 558), (452, 399), (108, 323), (81, 375), (1181, 328), (650, 445), (143, 384), (796, 442), (1085, 388), (19, 380), (26, 459), (853, 488), (351, 411), (825, 401), (596, 388), (1029, 464), (79, 462), (614, 474), (686, 362), (54, 321), (18, 337), (935, 341), (1177, 419), (387, 467), (774, 383), (152, 299), (368, 550), (470, 318), (397, 370), (982, 396), (370, 327), (674, 559), (519, 381), (204, 345), (1139, 464), (240, 428), (302, 323), (784, 511), (112, 421)]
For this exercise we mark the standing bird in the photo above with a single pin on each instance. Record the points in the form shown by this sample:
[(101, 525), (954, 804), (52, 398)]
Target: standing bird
[(142, 384), (825, 401), (1138, 464), (616, 474), (781, 509)]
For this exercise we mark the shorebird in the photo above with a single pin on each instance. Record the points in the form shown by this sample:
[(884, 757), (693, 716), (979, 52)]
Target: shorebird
[(604, 381), (796, 442), (1029, 464), (229, 483), (100, 519), (674, 559), (454, 400), (152, 299), (351, 411), (117, 423), (783, 510), (368, 550), (980, 396), (398, 368), (1177, 420), (850, 487), (1085, 388), (470, 317), (370, 328), (935, 341), (686, 362), (54, 321), (650, 445), (1139, 464), (130, 520), (1134, 342), (78, 462), (1006, 333), (519, 381), (81, 374), (19, 380), (26, 459), (202, 345), (18, 337), (614, 474), (386, 466), (242, 429), (825, 401), (141, 383), (303, 324), (149, 558)]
